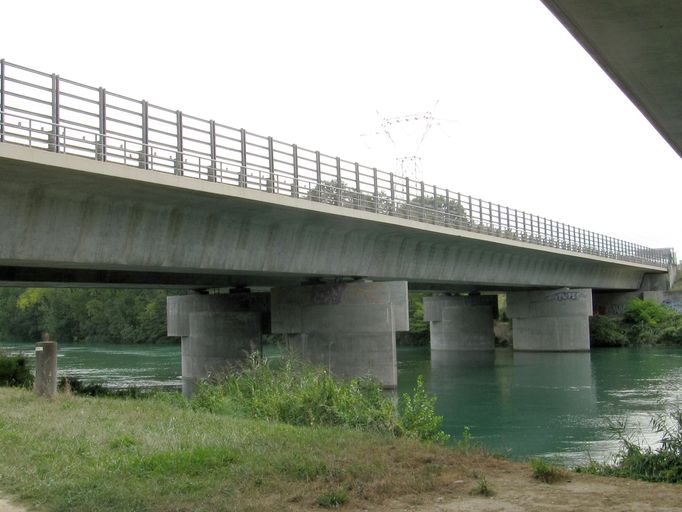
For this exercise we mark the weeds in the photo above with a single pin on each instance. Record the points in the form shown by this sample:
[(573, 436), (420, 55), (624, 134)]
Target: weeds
[(482, 488), (663, 464), (306, 395), (546, 472), (333, 499)]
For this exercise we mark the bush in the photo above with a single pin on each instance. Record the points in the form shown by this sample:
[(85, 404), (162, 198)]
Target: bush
[(606, 332), (546, 472), (15, 371), (301, 394), (333, 499), (663, 464), (647, 312), (418, 416), (482, 489)]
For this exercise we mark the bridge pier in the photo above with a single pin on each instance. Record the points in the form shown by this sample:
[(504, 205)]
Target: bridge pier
[(551, 320), (460, 323), (216, 331), (347, 327)]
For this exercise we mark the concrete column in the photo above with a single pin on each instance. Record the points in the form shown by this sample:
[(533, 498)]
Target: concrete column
[(551, 320), (461, 323), (347, 327), (217, 331)]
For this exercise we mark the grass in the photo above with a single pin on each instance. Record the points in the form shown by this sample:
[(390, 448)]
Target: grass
[(79, 453), (293, 392), (482, 489), (546, 472)]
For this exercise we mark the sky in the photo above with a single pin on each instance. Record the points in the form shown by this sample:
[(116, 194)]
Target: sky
[(526, 118)]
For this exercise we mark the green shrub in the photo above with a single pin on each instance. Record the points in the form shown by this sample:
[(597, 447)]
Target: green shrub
[(663, 464), (418, 416), (15, 371), (482, 489), (333, 499), (301, 394), (647, 312), (606, 331), (546, 472)]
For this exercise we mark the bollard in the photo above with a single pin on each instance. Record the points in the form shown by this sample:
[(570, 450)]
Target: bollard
[(46, 367)]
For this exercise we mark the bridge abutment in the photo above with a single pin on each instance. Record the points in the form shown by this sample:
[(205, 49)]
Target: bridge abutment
[(551, 320), (347, 327), (216, 331), (460, 323)]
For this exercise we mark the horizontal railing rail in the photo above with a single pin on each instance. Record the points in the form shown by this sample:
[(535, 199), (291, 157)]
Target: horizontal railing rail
[(47, 112)]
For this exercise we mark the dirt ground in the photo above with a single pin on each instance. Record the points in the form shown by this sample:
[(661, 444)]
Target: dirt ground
[(515, 490), (6, 506)]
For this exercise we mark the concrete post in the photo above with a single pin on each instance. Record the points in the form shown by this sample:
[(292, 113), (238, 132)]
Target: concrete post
[(217, 331), (551, 320), (461, 323), (46, 367), (347, 327)]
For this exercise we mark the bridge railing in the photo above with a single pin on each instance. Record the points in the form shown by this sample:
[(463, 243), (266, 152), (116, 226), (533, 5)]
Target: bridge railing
[(48, 112)]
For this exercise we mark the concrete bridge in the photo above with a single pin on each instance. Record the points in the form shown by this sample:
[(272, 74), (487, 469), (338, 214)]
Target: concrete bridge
[(103, 190)]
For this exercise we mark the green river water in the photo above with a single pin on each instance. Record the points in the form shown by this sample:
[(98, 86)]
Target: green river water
[(555, 405)]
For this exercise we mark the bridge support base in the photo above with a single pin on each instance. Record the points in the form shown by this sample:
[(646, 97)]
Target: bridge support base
[(217, 331), (347, 327), (460, 323), (551, 320)]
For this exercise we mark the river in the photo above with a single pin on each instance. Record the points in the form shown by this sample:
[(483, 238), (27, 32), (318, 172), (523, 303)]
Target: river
[(554, 405)]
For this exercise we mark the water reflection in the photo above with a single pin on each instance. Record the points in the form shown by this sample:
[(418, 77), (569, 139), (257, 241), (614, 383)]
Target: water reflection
[(549, 404)]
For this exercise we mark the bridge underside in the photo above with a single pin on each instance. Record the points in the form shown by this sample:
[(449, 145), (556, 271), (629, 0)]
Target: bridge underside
[(638, 44), (69, 220)]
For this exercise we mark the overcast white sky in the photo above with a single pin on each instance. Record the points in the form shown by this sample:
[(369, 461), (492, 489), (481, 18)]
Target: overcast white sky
[(533, 122)]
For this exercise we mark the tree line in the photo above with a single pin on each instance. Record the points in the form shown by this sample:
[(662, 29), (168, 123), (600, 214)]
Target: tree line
[(83, 315)]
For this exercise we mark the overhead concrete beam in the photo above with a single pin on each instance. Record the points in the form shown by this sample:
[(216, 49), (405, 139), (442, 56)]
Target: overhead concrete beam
[(65, 212)]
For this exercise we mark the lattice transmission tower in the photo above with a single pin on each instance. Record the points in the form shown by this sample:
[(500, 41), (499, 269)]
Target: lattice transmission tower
[(406, 134)]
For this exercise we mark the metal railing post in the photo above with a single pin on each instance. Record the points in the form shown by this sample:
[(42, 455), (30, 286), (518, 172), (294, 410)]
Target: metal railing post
[(294, 188), (212, 170), (101, 147), (408, 204), (144, 161), (392, 185), (2, 100), (242, 170), (318, 170), (179, 154), (270, 185), (358, 195), (376, 190), (53, 137)]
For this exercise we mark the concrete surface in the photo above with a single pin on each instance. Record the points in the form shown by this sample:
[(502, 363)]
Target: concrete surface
[(638, 44), (552, 321), (70, 218), (347, 327), (216, 342), (217, 331), (460, 323)]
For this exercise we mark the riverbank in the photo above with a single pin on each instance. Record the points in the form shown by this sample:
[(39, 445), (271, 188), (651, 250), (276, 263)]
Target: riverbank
[(97, 454)]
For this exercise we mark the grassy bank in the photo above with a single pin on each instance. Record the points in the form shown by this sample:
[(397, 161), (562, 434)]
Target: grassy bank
[(93, 454)]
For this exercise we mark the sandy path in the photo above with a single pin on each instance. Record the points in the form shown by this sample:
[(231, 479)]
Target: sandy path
[(517, 491), (7, 506)]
